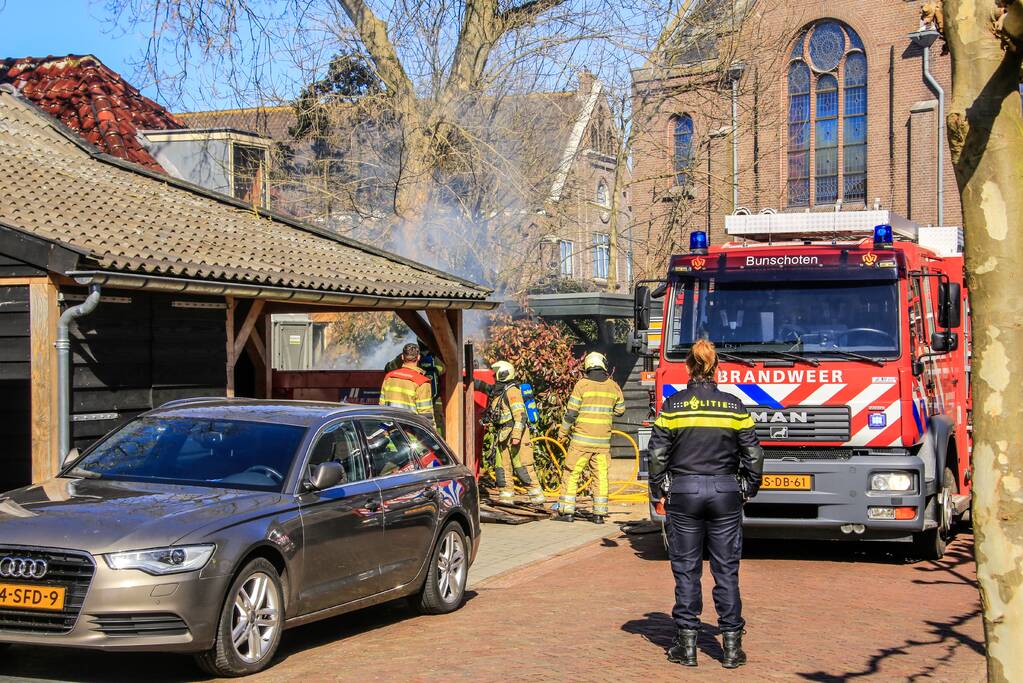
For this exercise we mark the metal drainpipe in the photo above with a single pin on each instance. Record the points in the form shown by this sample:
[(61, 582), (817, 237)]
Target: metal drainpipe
[(941, 122), (63, 345), (735, 144)]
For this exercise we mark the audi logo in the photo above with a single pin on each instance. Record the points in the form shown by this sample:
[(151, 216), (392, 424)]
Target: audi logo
[(22, 568)]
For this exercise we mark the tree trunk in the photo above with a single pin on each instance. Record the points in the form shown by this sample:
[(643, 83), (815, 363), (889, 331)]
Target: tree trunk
[(985, 130)]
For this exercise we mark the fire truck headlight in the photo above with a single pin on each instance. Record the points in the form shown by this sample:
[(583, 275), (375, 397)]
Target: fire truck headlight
[(891, 481)]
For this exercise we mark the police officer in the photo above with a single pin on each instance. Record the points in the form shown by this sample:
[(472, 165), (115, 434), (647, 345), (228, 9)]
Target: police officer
[(595, 401), (511, 435), (407, 387), (705, 461)]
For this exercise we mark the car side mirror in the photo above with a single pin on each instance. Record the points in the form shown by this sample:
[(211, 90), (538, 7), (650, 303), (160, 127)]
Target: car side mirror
[(326, 475), (944, 342), (72, 455), (641, 308), (950, 305)]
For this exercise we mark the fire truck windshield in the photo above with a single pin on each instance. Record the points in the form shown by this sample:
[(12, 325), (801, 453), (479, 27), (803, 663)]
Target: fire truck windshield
[(812, 318)]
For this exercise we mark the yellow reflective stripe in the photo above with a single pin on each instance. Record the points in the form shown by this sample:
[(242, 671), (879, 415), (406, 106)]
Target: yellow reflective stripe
[(594, 420), (600, 394), (708, 413), (586, 438), (574, 400), (595, 409), (424, 404), (397, 402), (520, 406), (702, 421), (400, 390)]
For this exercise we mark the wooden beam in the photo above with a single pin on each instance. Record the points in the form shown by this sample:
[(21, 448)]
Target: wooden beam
[(447, 328), (43, 315), (231, 358), (250, 322), (268, 367), (420, 328), (257, 353), (23, 281)]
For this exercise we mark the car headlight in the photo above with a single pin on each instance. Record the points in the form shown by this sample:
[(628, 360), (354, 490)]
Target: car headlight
[(159, 561), (891, 481)]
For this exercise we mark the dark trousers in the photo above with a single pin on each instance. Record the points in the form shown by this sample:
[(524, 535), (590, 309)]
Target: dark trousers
[(705, 508)]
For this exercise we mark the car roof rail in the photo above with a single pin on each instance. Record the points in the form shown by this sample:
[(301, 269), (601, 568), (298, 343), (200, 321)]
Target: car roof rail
[(194, 399)]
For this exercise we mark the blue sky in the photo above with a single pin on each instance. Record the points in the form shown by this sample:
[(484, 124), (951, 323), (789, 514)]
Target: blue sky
[(38, 28)]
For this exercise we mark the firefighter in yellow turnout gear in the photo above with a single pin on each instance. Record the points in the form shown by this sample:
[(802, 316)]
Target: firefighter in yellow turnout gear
[(408, 387), (511, 436), (595, 401)]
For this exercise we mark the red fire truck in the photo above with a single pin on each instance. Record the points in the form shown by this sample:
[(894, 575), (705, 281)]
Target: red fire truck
[(852, 355)]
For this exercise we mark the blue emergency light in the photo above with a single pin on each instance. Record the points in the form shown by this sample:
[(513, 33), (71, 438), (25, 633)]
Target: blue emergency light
[(883, 236), (698, 242)]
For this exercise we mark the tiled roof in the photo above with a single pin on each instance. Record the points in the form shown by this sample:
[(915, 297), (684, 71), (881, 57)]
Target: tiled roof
[(273, 122), (92, 100), (129, 220)]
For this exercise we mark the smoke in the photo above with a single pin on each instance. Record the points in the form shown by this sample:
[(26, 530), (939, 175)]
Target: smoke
[(374, 356)]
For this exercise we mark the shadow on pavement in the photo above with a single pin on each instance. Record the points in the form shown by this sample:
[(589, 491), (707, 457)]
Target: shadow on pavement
[(946, 633), (27, 663), (659, 629)]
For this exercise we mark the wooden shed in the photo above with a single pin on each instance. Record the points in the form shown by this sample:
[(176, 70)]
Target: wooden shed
[(187, 281)]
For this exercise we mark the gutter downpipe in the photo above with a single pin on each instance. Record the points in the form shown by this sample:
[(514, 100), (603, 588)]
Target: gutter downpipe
[(924, 38), (63, 345), (735, 144)]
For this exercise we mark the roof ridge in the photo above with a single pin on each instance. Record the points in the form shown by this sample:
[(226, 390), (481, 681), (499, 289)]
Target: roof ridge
[(236, 110), (94, 153)]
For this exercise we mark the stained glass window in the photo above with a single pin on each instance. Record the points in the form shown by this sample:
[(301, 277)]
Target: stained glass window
[(827, 45), (854, 151), (683, 148), (828, 97), (799, 134)]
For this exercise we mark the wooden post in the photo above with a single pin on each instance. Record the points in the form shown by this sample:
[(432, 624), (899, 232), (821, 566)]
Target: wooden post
[(43, 315), (268, 343), (447, 328), (231, 358)]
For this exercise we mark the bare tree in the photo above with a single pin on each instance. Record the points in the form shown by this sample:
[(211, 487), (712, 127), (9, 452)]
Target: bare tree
[(985, 133)]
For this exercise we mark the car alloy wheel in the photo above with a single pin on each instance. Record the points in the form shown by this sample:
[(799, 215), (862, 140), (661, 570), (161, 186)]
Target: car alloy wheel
[(256, 618), (451, 567)]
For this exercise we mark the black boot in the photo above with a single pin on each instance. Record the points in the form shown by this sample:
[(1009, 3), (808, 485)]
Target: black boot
[(734, 656), (598, 519), (683, 648), (563, 518)]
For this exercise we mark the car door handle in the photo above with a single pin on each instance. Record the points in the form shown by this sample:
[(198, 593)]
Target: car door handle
[(432, 492)]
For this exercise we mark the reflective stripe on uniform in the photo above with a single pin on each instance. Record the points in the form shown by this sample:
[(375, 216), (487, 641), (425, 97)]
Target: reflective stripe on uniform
[(720, 421), (595, 440)]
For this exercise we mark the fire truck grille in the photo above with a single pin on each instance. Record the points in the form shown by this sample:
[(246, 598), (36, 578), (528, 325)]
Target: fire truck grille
[(802, 423)]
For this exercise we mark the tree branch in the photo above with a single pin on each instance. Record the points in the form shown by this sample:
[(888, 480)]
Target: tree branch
[(373, 33), (522, 15)]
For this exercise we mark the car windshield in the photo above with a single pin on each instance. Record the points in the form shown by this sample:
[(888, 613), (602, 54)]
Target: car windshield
[(811, 318), (196, 451)]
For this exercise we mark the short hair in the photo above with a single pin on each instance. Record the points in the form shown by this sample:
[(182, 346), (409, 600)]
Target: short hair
[(410, 352)]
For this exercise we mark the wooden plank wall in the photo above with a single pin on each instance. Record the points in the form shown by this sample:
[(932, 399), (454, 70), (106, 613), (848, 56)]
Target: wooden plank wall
[(131, 356), (15, 403)]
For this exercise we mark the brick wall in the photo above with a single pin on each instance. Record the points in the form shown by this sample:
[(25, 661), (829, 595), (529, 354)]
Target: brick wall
[(902, 127)]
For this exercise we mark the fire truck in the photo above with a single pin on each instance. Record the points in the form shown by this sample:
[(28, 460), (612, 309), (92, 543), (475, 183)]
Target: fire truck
[(849, 342)]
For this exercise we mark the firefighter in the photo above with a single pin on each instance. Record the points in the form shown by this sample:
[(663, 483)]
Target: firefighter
[(511, 435), (408, 387), (433, 369), (595, 401), (705, 462)]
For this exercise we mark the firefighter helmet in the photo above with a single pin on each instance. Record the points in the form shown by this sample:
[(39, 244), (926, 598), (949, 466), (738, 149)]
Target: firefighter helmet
[(503, 371), (595, 361)]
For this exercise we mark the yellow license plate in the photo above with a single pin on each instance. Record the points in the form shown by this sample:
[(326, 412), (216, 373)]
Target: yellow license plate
[(788, 482), (31, 596)]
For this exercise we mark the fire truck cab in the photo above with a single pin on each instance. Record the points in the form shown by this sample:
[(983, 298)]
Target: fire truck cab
[(849, 343)]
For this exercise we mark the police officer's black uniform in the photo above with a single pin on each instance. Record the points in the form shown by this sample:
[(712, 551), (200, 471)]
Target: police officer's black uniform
[(706, 459)]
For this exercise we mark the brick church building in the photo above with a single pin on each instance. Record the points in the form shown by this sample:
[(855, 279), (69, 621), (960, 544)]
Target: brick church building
[(800, 106)]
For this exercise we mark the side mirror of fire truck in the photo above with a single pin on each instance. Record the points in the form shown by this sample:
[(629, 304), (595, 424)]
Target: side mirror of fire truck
[(641, 308), (950, 304), (944, 342)]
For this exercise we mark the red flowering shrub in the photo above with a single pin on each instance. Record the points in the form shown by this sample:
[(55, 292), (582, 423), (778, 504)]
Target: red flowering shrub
[(542, 355)]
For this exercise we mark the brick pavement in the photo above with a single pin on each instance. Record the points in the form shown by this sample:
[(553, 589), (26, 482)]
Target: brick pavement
[(816, 612)]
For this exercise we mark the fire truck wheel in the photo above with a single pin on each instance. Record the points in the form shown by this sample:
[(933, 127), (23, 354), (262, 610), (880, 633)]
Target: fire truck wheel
[(931, 544)]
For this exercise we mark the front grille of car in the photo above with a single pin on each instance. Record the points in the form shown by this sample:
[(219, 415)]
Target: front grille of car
[(132, 624), (808, 453), (73, 570)]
